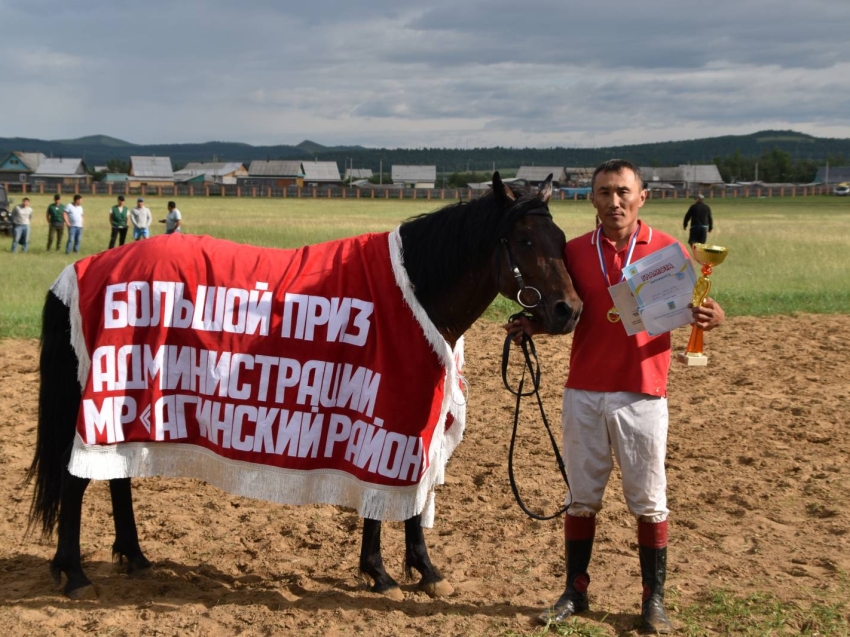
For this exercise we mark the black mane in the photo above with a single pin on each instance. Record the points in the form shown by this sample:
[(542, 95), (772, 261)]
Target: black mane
[(441, 246)]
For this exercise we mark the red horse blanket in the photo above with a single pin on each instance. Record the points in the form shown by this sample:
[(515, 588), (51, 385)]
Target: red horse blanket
[(296, 376)]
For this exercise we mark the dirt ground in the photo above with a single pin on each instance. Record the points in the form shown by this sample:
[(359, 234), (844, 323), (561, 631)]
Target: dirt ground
[(759, 493)]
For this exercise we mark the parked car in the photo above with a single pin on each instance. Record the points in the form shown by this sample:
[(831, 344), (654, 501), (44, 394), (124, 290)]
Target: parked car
[(5, 213), (842, 190)]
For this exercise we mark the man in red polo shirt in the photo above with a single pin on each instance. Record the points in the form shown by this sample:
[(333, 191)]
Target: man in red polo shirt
[(616, 395)]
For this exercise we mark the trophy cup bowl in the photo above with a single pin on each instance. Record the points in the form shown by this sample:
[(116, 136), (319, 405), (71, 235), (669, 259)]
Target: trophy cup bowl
[(707, 256)]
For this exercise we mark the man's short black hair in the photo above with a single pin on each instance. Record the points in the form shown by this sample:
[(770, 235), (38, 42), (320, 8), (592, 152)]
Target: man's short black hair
[(615, 166), (171, 204), (77, 197), (57, 197)]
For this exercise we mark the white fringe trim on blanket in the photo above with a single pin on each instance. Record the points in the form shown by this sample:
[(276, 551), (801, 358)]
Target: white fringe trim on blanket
[(285, 486), (66, 290)]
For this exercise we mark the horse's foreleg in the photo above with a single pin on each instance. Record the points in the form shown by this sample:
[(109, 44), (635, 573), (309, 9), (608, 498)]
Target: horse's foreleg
[(67, 558), (126, 537), (416, 556), (372, 564)]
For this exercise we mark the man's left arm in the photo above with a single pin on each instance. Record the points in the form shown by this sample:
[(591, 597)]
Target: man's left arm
[(708, 315)]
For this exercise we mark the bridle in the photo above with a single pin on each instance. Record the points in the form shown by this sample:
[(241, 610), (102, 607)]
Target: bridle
[(542, 212), (532, 365)]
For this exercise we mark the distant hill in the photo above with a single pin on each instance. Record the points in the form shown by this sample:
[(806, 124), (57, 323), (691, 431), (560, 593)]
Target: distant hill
[(96, 140), (97, 149)]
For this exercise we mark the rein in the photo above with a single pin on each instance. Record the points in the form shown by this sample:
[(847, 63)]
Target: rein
[(532, 365)]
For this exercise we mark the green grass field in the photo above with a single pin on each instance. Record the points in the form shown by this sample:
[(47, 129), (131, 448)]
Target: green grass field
[(786, 255)]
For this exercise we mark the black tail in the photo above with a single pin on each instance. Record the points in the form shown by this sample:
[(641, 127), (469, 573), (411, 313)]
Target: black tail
[(58, 404)]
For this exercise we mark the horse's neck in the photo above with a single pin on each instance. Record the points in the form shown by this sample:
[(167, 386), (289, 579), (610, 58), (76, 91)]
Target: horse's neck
[(463, 302)]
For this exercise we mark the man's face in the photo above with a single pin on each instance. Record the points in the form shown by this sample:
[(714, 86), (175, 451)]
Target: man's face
[(26, 202), (617, 198)]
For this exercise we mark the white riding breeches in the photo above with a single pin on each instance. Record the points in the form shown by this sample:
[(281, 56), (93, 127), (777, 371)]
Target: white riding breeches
[(634, 426)]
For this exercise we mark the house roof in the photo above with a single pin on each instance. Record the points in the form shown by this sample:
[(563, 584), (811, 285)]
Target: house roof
[(60, 167), (701, 174), (358, 173), (275, 168), (414, 174), (536, 174), (29, 160), (195, 168), (321, 171), (153, 167)]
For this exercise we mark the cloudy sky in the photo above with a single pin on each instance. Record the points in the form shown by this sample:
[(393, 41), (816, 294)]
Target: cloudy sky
[(394, 73)]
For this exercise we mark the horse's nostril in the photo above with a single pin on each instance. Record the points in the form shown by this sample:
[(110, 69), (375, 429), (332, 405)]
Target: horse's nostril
[(563, 311)]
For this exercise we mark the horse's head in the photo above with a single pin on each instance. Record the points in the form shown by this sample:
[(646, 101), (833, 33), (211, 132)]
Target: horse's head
[(531, 259)]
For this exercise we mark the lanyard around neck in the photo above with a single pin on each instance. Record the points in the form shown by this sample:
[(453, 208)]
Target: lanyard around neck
[(602, 265)]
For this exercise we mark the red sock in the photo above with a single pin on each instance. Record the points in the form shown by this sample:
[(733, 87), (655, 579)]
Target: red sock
[(652, 534), (579, 528)]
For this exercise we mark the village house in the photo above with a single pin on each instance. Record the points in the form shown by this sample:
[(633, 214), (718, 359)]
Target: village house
[(226, 173), (61, 171), (537, 174), (321, 173), (414, 176), (17, 166), (273, 173), (683, 176), (150, 171)]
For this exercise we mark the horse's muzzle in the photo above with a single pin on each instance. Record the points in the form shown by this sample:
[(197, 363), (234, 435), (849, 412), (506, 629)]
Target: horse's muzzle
[(564, 317)]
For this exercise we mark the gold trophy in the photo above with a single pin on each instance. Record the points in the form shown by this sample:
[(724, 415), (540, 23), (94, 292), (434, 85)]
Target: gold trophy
[(707, 256)]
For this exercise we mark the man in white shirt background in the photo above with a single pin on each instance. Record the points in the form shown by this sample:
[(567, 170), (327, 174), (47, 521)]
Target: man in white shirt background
[(74, 222)]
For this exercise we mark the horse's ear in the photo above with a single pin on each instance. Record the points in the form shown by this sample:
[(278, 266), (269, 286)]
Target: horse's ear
[(545, 192), (501, 189)]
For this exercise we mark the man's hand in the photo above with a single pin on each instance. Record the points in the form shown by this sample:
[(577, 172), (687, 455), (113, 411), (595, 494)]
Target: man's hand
[(708, 315), (517, 327)]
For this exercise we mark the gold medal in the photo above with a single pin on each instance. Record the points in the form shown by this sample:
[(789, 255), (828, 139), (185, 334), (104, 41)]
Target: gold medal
[(613, 315)]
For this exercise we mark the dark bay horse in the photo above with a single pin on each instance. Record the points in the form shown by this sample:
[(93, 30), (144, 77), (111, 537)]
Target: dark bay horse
[(458, 259)]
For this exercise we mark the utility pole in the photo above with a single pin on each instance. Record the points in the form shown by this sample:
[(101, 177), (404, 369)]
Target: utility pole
[(757, 172), (381, 172), (827, 173)]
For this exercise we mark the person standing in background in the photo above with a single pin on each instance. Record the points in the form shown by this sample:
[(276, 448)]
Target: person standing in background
[(172, 220), (21, 220), (699, 215), (141, 218), (74, 221), (118, 221), (55, 222)]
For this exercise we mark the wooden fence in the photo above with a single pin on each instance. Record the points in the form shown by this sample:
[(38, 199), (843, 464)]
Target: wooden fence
[(337, 192)]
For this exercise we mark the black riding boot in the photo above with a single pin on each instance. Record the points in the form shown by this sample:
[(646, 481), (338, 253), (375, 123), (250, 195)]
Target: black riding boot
[(574, 598), (653, 569)]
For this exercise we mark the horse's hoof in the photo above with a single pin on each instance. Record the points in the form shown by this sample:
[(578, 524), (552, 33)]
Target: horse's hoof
[(139, 572), (393, 593), (438, 589), (139, 567), (83, 592)]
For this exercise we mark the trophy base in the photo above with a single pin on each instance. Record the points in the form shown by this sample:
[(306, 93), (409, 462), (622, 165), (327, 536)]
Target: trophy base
[(692, 360)]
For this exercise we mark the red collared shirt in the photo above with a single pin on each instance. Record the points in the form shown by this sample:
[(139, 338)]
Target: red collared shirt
[(603, 357)]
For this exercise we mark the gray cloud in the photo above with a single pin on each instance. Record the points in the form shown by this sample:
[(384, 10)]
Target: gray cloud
[(403, 74)]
